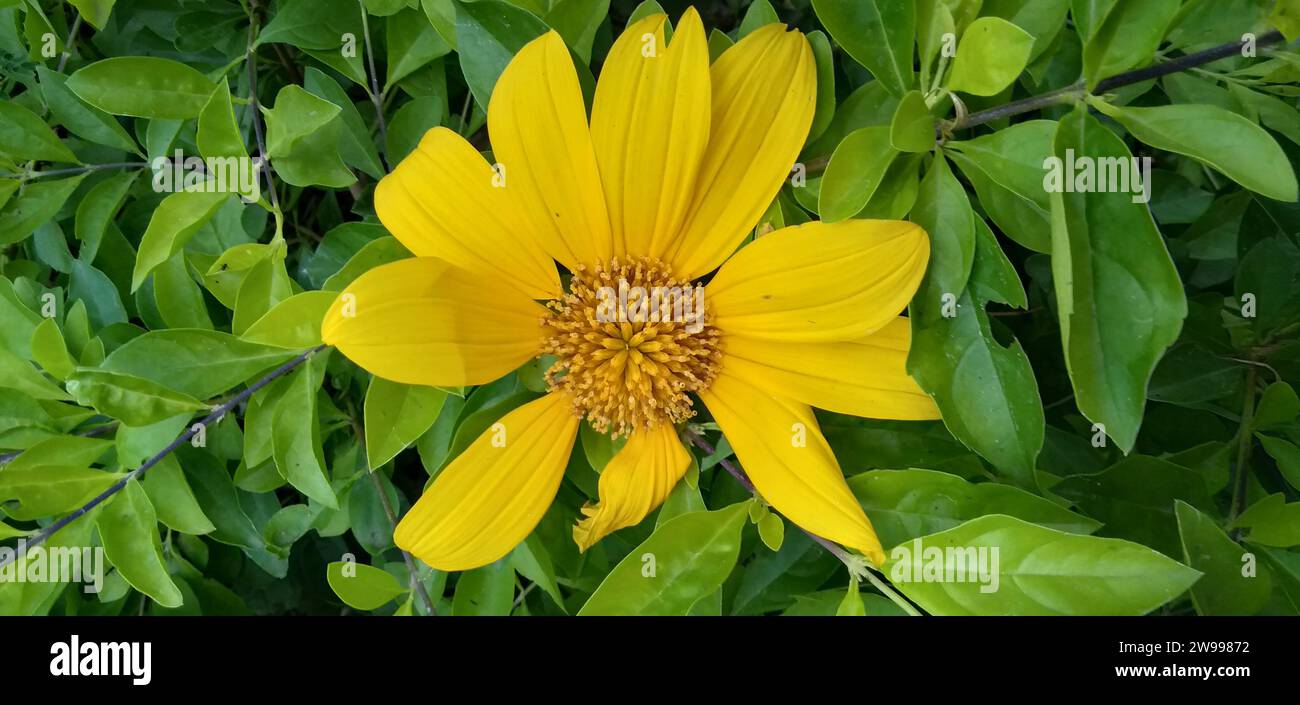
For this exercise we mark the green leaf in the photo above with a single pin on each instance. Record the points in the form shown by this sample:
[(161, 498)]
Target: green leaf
[(1277, 406), (943, 209), (852, 604), (96, 210), (877, 35), (412, 43), (484, 592), (1127, 38), (180, 301), (488, 34), (992, 53), (854, 172), (912, 129), (1286, 454), (38, 204), (201, 363), (1272, 521), (129, 528), (758, 14), (1039, 571), (18, 375), (578, 21), (266, 284), (133, 400), (992, 276), (292, 323), (218, 132), (50, 352), (98, 292), (1225, 588), (295, 115), (175, 502), (1239, 148), (213, 488), (986, 392), (1120, 302), (355, 146), (824, 55), (396, 415), (684, 560), (295, 433), (23, 136), (46, 490), (906, 504), (531, 560), (174, 222), (81, 119), (361, 586), (143, 86), (1006, 169), (1135, 499)]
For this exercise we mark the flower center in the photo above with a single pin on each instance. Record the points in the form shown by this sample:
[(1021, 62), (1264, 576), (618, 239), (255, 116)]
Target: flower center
[(631, 342)]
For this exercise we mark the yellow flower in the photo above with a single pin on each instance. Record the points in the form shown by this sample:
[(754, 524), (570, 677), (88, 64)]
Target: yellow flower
[(677, 166)]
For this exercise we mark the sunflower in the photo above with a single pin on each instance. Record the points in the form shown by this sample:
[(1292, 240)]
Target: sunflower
[(676, 167)]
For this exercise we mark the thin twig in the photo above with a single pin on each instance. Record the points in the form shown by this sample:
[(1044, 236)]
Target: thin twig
[(387, 504), (1127, 78), (75, 170), (376, 96), (833, 548), (251, 60), (1244, 442), (211, 418), (67, 46)]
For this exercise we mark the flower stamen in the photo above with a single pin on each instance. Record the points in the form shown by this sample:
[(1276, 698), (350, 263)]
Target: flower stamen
[(631, 342)]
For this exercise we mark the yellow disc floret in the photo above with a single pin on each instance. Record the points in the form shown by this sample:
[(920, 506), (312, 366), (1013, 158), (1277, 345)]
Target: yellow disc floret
[(631, 342)]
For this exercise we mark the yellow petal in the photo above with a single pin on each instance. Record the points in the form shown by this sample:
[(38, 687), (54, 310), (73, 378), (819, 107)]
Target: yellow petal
[(764, 96), (423, 321), (650, 126), (538, 125), (820, 282), (492, 495), (634, 482), (865, 378), (782, 450), (441, 202)]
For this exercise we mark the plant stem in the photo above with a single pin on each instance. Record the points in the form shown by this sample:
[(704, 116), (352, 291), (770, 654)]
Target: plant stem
[(376, 96), (216, 415), (67, 46), (262, 163), (416, 584), (849, 561), (1244, 442)]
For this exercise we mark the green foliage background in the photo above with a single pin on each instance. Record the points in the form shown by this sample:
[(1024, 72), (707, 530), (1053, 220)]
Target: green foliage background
[(1115, 377)]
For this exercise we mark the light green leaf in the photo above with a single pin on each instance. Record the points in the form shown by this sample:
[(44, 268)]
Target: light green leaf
[(143, 86), (396, 415), (133, 400), (992, 53), (292, 323), (175, 502), (361, 586), (296, 436), (23, 136), (201, 363), (81, 119), (129, 528), (39, 203), (174, 222), (1039, 571), (1127, 38), (684, 560), (854, 172), (912, 129), (485, 592)]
